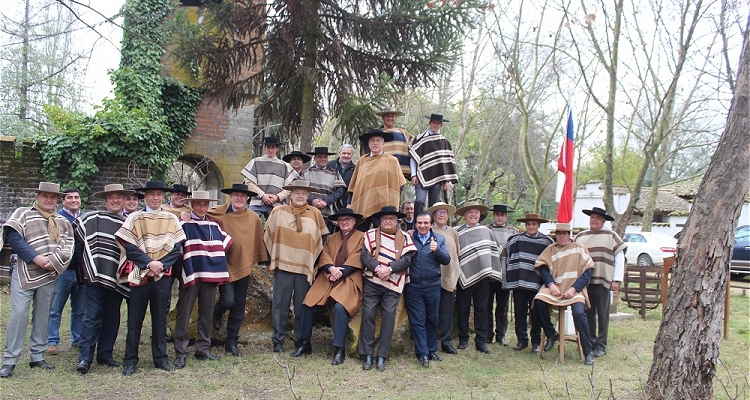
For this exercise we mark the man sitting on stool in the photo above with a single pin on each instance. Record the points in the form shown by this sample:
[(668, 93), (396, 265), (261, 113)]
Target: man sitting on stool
[(565, 268)]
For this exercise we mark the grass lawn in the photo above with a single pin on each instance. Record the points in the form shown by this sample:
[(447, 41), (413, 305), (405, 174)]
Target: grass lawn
[(504, 374)]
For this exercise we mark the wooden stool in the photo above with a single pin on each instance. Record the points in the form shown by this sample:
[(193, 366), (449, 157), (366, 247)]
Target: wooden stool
[(576, 338)]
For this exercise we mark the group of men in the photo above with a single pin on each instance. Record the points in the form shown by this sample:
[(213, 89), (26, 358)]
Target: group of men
[(333, 236)]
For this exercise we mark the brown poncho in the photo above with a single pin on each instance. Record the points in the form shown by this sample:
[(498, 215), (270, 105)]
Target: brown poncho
[(346, 291), (375, 184), (566, 264), (291, 248), (247, 249)]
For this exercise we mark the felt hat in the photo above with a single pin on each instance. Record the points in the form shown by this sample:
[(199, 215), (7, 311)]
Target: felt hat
[(563, 228), (321, 150), (389, 210), (239, 188), (138, 194), (299, 184), (387, 136), (201, 195), (472, 205), (389, 110), (599, 211), (154, 185), (48, 187), (501, 208), (442, 206), (177, 188), (271, 140), (436, 117), (113, 188), (296, 153), (344, 212), (532, 217)]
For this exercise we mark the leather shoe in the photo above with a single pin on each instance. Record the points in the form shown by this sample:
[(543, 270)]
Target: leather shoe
[(83, 366), (166, 367), (589, 359), (110, 363), (482, 348), (599, 353), (535, 348), (462, 344), (278, 348), (7, 371), (448, 348), (380, 364), (304, 348), (233, 350), (367, 363), (179, 363), (520, 346), (424, 361), (207, 356), (41, 364), (128, 370), (434, 357), (338, 356), (502, 341), (551, 342)]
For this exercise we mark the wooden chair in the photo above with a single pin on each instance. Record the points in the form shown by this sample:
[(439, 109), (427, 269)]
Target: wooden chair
[(575, 338)]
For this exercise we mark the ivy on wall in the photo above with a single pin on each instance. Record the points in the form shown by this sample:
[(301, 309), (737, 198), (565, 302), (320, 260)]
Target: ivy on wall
[(148, 120)]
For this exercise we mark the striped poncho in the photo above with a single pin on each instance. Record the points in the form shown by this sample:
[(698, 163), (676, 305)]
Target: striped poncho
[(478, 256), (449, 273), (387, 252), (566, 264), (502, 234), (603, 245), (204, 252), (268, 175), (434, 158), (523, 250), (95, 231), (291, 250), (375, 184), (33, 227), (326, 184)]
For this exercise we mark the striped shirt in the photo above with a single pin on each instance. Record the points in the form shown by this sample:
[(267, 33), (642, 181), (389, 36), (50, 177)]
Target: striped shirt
[(269, 175), (327, 185), (204, 255), (523, 251)]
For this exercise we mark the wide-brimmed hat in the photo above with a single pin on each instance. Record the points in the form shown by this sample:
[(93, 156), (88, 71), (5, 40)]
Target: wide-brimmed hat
[(436, 117), (271, 140), (177, 188), (501, 208), (48, 187), (472, 205), (344, 212), (201, 195), (299, 184), (531, 218), (599, 211), (563, 228), (442, 206), (296, 153), (387, 136), (240, 188), (138, 194), (321, 150), (154, 185), (389, 210), (113, 188), (389, 110)]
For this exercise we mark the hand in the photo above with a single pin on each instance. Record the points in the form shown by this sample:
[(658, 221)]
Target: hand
[(569, 293), (336, 273), (150, 274), (43, 262), (446, 185), (383, 272), (410, 232), (414, 180), (554, 290), (433, 244), (185, 216), (349, 206), (615, 286), (268, 199), (156, 267)]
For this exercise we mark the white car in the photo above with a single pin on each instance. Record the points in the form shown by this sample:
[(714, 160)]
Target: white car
[(647, 249)]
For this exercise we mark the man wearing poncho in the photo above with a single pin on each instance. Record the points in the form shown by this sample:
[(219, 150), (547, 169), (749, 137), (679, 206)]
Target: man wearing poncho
[(433, 165), (248, 249), (152, 239), (266, 176), (43, 241), (502, 232), (565, 268), (386, 256), (294, 239), (326, 183)]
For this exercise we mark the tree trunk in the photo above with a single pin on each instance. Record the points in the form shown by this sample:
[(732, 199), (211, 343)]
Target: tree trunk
[(307, 114), (686, 350), (23, 105)]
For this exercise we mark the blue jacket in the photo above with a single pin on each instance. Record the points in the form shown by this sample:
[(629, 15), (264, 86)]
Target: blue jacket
[(424, 270)]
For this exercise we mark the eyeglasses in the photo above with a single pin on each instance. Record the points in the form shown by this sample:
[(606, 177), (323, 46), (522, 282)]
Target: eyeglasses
[(441, 212)]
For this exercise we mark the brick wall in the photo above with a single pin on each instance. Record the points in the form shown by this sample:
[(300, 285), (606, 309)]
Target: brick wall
[(211, 123)]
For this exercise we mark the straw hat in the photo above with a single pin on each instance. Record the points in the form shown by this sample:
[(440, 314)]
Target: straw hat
[(442, 206), (113, 188), (200, 195), (472, 205), (48, 187)]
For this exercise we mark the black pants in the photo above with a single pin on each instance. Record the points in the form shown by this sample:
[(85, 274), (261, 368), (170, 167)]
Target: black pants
[(499, 314), (101, 321), (579, 320), (232, 297), (598, 315), (376, 296), (445, 316), (153, 294), (476, 293), (522, 301), (340, 323), (288, 288)]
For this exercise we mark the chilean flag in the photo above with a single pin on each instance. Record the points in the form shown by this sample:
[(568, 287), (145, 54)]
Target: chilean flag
[(565, 177)]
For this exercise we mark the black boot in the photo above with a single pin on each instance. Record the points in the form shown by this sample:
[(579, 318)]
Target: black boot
[(304, 348), (338, 356)]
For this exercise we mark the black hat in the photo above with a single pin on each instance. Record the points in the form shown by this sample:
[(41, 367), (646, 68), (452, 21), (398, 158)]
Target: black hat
[(154, 185), (599, 211), (181, 189), (436, 117), (288, 158), (389, 210), (271, 140), (387, 136), (138, 194), (501, 208), (238, 187), (344, 212), (321, 150)]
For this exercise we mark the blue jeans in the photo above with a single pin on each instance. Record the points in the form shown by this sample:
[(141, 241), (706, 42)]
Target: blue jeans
[(421, 196), (66, 287)]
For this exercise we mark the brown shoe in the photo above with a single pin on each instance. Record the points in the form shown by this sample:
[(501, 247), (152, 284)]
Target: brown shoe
[(52, 350)]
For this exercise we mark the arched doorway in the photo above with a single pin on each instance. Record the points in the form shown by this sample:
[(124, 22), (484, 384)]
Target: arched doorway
[(198, 173)]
